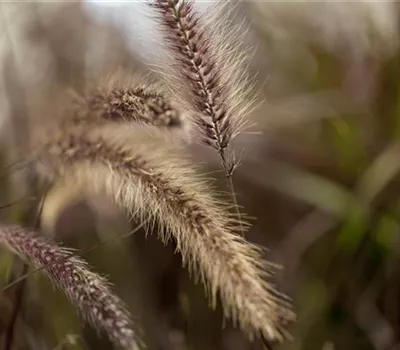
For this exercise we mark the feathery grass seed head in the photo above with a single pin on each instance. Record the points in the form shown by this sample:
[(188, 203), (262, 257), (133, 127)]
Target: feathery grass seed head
[(139, 104), (147, 180), (89, 292), (207, 69)]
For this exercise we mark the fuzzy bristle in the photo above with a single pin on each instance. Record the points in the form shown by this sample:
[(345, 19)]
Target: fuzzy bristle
[(149, 182), (126, 104), (88, 291), (208, 73)]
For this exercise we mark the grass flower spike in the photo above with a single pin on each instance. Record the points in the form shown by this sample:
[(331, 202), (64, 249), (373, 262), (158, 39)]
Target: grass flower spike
[(87, 291), (145, 178), (207, 73)]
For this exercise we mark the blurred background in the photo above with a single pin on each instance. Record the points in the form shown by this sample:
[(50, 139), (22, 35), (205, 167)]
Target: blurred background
[(320, 176)]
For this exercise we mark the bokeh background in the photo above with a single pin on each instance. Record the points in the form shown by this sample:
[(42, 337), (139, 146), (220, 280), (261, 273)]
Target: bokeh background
[(319, 174)]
